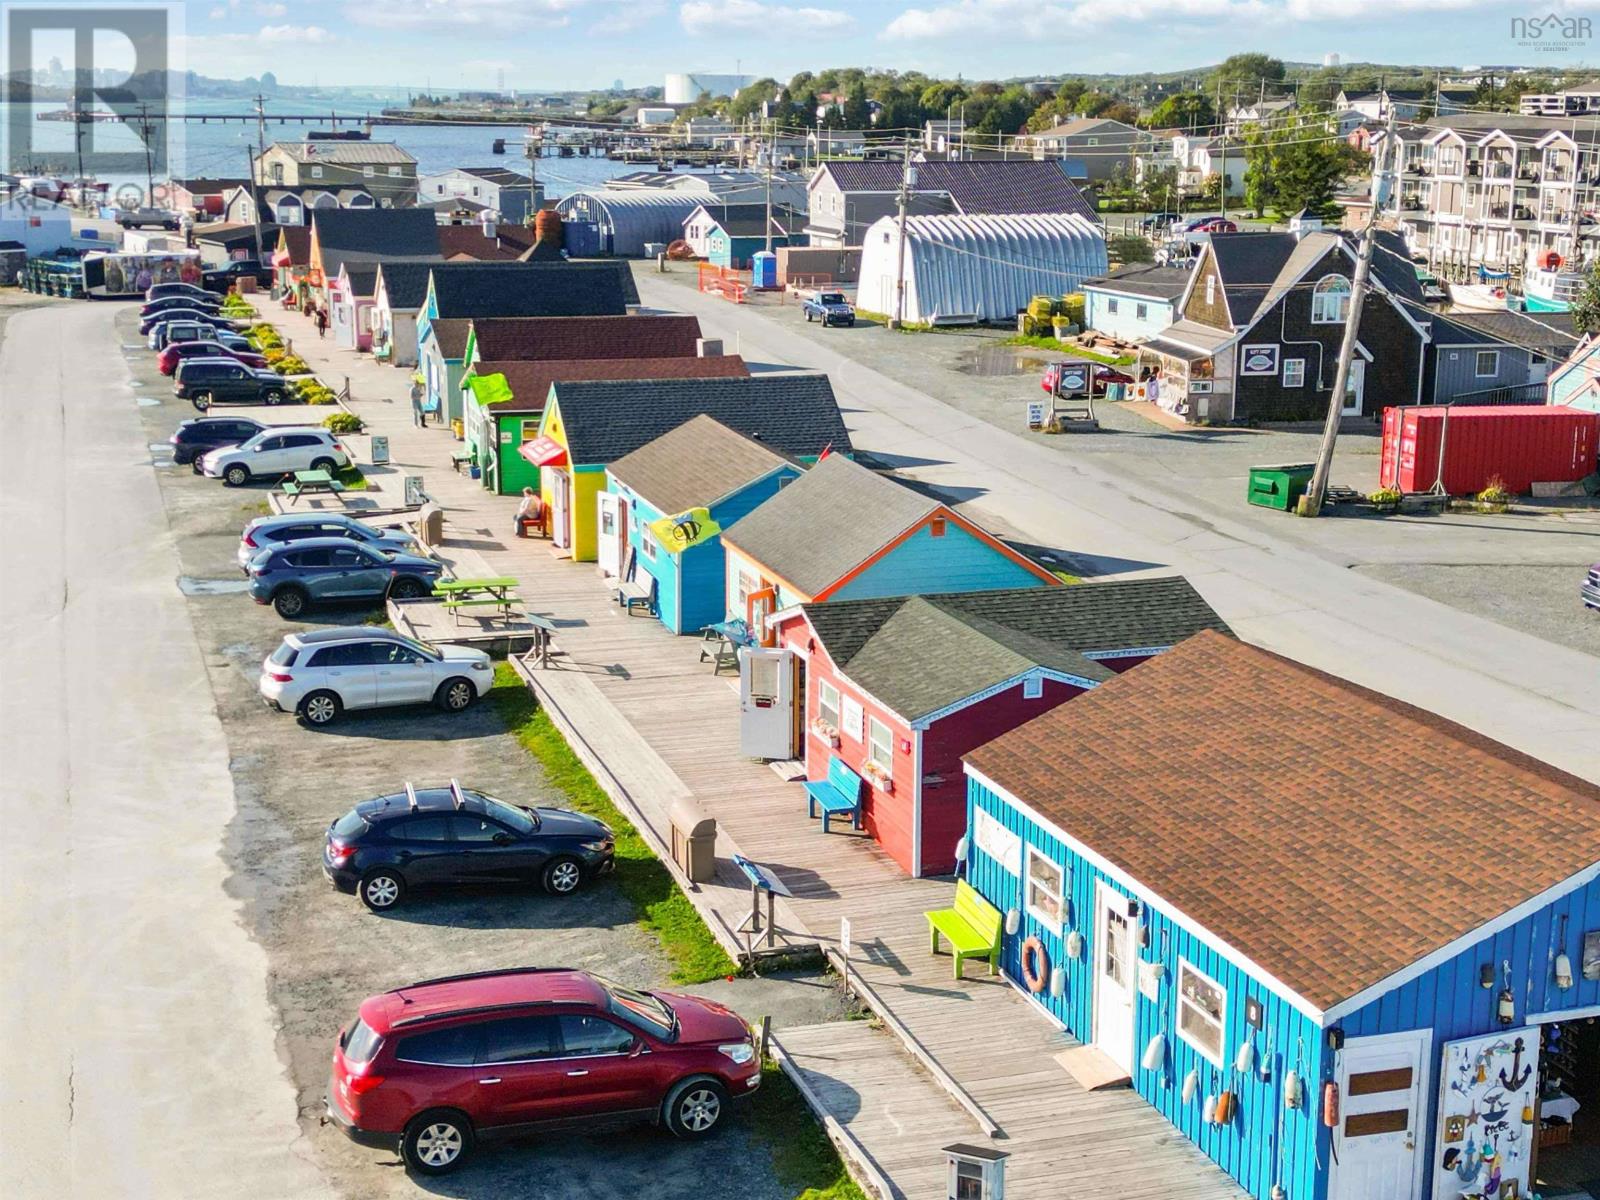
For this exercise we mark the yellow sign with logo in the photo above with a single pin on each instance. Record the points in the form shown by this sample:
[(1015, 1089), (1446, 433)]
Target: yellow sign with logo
[(682, 530)]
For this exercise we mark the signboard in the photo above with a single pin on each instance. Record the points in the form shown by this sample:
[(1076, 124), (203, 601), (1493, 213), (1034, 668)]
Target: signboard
[(415, 496), (998, 842), (1258, 360), (380, 449), (844, 936), (1072, 377), (1038, 414)]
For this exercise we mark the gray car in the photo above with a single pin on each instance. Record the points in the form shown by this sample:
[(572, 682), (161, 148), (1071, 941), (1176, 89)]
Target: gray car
[(326, 570), (267, 533)]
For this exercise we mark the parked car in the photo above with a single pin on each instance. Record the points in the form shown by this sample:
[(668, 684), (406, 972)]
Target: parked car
[(318, 570), (142, 218), (276, 452), (166, 334), (1590, 588), (831, 308), (1159, 221), (1195, 223), (167, 303), (186, 312), (1217, 225), (426, 837), (439, 1066), (321, 674), (176, 352), (195, 436), (220, 279), (225, 380), (264, 533), (157, 290)]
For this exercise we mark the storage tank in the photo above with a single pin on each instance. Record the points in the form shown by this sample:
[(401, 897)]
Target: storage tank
[(1521, 445)]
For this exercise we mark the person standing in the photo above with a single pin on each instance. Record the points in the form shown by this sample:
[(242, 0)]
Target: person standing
[(419, 417), (322, 323)]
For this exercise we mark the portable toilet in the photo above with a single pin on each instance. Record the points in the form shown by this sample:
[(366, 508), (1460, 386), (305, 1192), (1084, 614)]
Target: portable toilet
[(764, 269)]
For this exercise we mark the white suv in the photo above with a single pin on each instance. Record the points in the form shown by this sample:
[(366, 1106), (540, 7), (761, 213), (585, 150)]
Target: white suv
[(275, 452), (321, 673)]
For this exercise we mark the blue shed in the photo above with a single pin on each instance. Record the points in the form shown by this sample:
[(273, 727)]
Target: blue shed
[(732, 234), (1348, 948), (700, 465)]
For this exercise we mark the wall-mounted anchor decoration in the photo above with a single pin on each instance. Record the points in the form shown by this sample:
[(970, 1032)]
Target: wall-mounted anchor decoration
[(1519, 1073)]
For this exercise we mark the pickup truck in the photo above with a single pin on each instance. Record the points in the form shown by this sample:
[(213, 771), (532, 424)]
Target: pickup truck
[(220, 279), (139, 218), (831, 308)]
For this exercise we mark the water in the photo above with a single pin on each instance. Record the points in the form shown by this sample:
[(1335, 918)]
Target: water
[(995, 360), (222, 150)]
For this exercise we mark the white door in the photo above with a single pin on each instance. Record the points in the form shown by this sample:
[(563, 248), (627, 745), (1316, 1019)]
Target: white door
[(1354, 387), (766, 694), (608, 547), (1114, 968), (560, 503), (1380, 1117)]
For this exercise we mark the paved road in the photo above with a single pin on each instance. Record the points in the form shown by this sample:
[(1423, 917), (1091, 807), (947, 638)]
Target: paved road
[(137, 1053), (1540, 698)]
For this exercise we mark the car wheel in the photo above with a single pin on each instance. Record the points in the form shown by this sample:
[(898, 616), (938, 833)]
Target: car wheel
[(290, 602), (436, 1143), (201, 401), (808, 318), (273, 396), (695, 1107), (325, 464), (237, 475), (321, 708), (407, 587), (562, 876), (455, 695), (382, 889)]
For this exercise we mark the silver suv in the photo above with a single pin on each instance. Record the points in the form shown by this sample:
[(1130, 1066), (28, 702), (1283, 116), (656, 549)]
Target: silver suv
[(276, 452), (323, 673)]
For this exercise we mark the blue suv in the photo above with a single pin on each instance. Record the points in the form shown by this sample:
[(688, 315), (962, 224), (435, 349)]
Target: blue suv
[(321, 569)]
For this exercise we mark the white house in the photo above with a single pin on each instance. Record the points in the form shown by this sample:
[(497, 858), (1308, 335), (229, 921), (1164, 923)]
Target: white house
[(507, 192), (1200, 157)]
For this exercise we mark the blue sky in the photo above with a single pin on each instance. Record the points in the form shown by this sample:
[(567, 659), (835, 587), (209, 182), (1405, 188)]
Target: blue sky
[(589, 43)]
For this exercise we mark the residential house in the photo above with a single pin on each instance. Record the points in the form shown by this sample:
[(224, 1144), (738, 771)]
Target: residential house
[(587, 426), (667, 503), (367, 237), (899, 688), (844, 532), (351, 296), (382, 168), (442, 357), (400, 290), (944, 136), (1200, 157), (507, 193), (200, 197), (291, 258), (1494, 357), (1090, 148), (1134, 302), (1268, 110), (1406, 104), (291, 206), (1371, 920), (846, 198), (1258, 331), (729, 235), (501, 417)]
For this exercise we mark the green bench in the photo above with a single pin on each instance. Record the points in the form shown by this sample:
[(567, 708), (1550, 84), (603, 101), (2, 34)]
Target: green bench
[(972, 928)]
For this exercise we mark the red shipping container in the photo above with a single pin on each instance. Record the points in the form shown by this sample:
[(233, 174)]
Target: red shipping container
[(1521, 444)]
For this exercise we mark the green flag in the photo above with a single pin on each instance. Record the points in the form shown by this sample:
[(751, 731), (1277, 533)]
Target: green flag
[(490, 389)]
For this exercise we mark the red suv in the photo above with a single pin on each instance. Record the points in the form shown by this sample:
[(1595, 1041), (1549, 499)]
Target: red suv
[(440, 1065)]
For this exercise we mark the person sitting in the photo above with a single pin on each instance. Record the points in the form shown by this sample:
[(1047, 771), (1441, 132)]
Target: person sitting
[(530, 514)]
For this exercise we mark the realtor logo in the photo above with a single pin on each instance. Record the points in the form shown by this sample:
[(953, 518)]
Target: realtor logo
[(1551, 33)]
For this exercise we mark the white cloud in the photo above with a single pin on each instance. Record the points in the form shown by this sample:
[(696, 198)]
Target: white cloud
[(308, 35), (962, 18), (218, 13), (709, 17), (522, 16), (627, 18), (272, 10)]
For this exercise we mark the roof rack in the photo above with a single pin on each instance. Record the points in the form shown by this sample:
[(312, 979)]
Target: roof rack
[(482, 975), (411, 796), (475, 1010), (457, 796)]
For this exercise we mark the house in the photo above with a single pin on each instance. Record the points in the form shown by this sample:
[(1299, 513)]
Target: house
[(399, 292), (367, 237), (1576, 382), (1199, 158), (291, 258), (588, 425), (899, 688), (1388, 906), (507, 193), (843, 532), (726, 186), (484, 241), (1256, 112), (1406, 104), (500, 418), (728, 235), (381, 168), (701, 471), (624, 222), (845, 198), (1493, 357), (1259, 327), (637, 335), (1090, 147), (290, 206), (441, 354), (1134, 302), (1569, 102), (199, 196), (350, 305)]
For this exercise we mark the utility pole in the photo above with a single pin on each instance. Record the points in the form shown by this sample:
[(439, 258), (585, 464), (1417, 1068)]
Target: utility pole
[(906, 180), (149, 169), (1311, 505), (1222, 142), (770, 157)]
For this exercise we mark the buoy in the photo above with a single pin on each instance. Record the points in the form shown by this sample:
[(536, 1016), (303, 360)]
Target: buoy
[(1209, 1113), (1155, 1053), (1291, 1090), (1563, 971), (1074, 944), (1224, 1108), (1246, 1057), (1013, 921), (1058, 982), (1191, 1085), (1330, 1104)]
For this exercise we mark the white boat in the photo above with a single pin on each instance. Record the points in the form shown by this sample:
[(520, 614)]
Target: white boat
[(1548, 290)]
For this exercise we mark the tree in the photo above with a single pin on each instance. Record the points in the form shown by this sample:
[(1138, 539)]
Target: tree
[(938, 98), (1095, 104), (1069, 93), (1244, 74), (1157, 188), (1184, 110), (900, 110), (1586, 305), (1121, 111), (1008, 113), (1297, 166), (856, 113), (750, 98), (1131, 249)]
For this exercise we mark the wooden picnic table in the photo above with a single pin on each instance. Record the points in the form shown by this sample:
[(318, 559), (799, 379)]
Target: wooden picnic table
[(306, 483), (498, 592), (728, 637)]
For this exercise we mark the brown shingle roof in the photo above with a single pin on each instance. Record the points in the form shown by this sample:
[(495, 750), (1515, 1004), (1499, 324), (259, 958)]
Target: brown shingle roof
[(695, 465), (530, 379), (1331, 835), (452, 334), (503, 338), (469, 242)]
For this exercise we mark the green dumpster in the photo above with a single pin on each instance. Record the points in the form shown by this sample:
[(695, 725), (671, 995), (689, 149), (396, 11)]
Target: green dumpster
[(1280, 487)]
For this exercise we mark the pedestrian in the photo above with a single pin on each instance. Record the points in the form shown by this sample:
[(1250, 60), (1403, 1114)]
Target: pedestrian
[(322, 323), (419, 418), (530, 513)]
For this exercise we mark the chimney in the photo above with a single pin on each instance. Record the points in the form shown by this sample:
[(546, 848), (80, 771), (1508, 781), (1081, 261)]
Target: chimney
[(708, 347), (488, 222)]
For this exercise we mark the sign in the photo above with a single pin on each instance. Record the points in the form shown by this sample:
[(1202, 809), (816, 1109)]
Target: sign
[(1038, 414), (844, 936), (380, 449), (544, 452), (1071, 377), (998, 842), (415, 496), (1253, 1015), (761, 876), (1259, 360), (505, 437)]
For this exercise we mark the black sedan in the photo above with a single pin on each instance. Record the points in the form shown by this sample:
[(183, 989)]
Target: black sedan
[(434, 836)]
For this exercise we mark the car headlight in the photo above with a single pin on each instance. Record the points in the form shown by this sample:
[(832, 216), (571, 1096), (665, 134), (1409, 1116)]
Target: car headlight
[(595, 847), (480, 666), (738, 1052)]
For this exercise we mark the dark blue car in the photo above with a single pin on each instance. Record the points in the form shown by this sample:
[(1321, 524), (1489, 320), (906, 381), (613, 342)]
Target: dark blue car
[(432, 836), (321, 570)]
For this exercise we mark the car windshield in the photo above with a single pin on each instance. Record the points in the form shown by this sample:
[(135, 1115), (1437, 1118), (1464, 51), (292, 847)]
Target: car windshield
[(640, 1009), (509, 815), (283, 655), (360, 1044), (832, 298)]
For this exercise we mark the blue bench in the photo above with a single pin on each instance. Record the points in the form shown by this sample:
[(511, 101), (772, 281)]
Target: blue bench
[(839, 795)]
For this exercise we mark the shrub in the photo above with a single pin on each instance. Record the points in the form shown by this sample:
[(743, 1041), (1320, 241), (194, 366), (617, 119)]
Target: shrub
[(290, 364), (1495, 497), (1387, 497), (312, 391), (342, 422)]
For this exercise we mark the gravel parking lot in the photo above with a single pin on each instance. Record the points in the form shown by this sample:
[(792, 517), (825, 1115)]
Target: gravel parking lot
[(328, 953)]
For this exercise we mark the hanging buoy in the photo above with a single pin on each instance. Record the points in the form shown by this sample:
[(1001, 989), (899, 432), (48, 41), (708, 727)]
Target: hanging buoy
[(1506, 1007), (1208, 1114), (1224, 1108), (1278, 1193), (1246, 1057), (961, 850), (1058, 982), (1291, 1090), (1035, 965), (1074, 944), (1013, 921), (1191, 1085), (1155, 1053), (1330, 1104), (1563, 971)]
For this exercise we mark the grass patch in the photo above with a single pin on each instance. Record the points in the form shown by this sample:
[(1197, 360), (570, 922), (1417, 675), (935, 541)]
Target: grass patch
[(884, 319), (352, 478), (804, 1160), (663, 909), (1066, 577), (1040, 342)]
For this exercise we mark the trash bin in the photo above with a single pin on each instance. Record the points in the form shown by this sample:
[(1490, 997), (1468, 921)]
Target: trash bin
[(694, 840), (430, 525), (1281, 486)]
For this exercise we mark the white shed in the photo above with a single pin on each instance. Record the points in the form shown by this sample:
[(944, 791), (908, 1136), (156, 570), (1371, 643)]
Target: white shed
[(42, 226), (961, 270)]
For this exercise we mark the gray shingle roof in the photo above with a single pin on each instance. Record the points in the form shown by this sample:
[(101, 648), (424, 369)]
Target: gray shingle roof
[(750, 220), (695, 465), (1007, 186), (1143, 279), (1257, 268), (514, 289), (1508, 328), (919, 654), (829, 521), (794, 413), (376, 231), (359, 153), (406, 281)]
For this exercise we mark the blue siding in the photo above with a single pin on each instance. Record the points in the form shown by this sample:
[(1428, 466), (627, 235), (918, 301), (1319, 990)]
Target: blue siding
[(1264, 1144), (1125, 322), (956, 562)]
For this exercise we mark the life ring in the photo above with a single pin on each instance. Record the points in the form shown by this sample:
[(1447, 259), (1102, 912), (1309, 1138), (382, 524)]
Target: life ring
[(1550, 260), (1035, 965)]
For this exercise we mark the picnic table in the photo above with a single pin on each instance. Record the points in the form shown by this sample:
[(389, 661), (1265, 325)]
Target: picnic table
[(306, 483), (728, 637), (459, 459), (498, 592)]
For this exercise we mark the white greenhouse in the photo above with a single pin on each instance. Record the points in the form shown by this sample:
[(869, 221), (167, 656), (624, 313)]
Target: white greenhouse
[(961, 270)]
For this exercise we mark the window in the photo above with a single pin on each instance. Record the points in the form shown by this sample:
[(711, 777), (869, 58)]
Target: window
[(391, 655), (1488, 364), (1141, 311), (880, 749), (350, 558), (936, 527), (316, 172), (304, 560), (369, 171), (1330, 300), (744, 584), (828, 703), (361, 1044), (1294, 372), (1202, 1012), (518, 1039), (394, 169), (456, 1046), (581, 1035), (423, 829), (647, 544), (1211, 289), (1111, 307), (1032, 687), (1046, 887), (476, 830)]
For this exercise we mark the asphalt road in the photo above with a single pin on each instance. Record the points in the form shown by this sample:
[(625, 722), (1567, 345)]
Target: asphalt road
[(137, 1048)]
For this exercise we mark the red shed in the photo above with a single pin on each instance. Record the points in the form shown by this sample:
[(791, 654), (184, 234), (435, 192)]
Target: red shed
[(1522, 445), (899, 688)]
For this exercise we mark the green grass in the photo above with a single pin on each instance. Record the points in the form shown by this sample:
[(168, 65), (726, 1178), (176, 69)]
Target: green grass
[(803, 1158), (1039, 342), (1066, 577), (663, 909), (352, 478)]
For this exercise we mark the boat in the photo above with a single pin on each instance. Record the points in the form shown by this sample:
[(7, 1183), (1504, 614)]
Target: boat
[(338, 135), (1551, 287)]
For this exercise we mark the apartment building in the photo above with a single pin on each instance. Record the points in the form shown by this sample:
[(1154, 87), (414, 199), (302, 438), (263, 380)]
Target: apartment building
[(1568, 103)]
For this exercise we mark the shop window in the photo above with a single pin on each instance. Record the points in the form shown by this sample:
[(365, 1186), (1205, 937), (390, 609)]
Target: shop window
[(1202, 1011), (530, 430), (828, 703), (1294, 372), (1330, 300), (1488, 364), (880, 749), (1046, 890)]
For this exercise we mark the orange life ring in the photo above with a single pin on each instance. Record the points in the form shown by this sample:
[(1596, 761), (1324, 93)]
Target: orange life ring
[(1035, 965), (1550, 260)]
